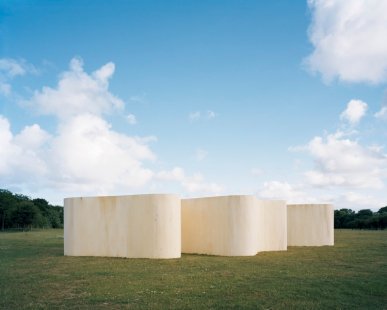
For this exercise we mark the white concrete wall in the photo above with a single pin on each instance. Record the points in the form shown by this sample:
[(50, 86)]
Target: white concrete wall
[(224, 225), (163, 226), (272, 224), (144, 226), (233, 225), (310, 225)]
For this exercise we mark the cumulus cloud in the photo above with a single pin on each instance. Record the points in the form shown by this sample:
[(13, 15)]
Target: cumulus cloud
[(355, 110), (131, 119), (10, 68), (199, 115), (382, 114), (210, 114), (22, 154), (89, 153), (354, 198), (340, 161), (78, 92), (193, 184), (193, 116), (7, 149), (85, 155), (349, 39), (284, 191)]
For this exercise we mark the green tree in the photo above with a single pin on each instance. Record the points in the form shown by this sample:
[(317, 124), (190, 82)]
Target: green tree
[(365, 213), (343, 218), (383, 210), (7, 204), (42, 221), (24, 214)]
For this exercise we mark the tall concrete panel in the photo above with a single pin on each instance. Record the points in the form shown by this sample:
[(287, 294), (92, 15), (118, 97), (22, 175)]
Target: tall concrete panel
[(233, 225), (272, 225), (310, 224), (224, 225), (144, 226)]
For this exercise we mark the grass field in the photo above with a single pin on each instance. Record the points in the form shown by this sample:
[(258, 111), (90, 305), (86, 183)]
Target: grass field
[(352, 274)]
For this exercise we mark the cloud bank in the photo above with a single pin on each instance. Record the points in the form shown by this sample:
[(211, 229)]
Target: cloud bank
[(349, 40), (342, 164), (85, 155)]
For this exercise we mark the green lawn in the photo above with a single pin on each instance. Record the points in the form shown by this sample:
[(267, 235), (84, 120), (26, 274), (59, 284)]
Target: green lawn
[(352, 274)]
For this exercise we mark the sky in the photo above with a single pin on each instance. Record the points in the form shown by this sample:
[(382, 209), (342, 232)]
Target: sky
[(278, 99)]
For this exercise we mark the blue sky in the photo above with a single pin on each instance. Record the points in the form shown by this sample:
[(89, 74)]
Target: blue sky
[(281, 99)]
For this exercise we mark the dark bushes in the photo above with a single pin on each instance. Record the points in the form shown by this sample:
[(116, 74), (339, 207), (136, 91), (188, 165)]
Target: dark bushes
[(363, 219), (20, 212)]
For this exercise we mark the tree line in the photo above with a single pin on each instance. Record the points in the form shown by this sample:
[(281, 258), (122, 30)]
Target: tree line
[(18, 211), (363, 219)]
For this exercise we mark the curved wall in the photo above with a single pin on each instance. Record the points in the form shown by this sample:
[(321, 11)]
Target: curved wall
[(143, 226), (225, 225), (310, 225), (273, 223)]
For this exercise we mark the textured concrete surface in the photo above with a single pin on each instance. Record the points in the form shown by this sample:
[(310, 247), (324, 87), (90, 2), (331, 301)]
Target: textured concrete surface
[(163, 226), (310, 225), (144, 226), (233, 225), (272, 225), (219, 225)]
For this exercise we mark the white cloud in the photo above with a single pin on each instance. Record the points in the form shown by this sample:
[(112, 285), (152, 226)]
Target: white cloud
[(200, 154), (382, 114), (198, 115), (301, 193), (340, 161), (138, 98), (355, 110), (7, 149), (90, 154), (193, 116), (193, 184), (78, 92), (32, 137), (176, 174), (284, 191), (10, 68), (354, 199), (131, 119), (210, 114), (85, 156), (349, 39), (22, 154)]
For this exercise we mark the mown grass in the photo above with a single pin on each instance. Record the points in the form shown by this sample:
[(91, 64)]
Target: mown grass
[(351, 275)]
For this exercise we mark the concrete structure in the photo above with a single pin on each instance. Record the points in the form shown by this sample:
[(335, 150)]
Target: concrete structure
[(146, 226), (272, 225), (219, 225), (233, 225), (163, 226), (310, 225)]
